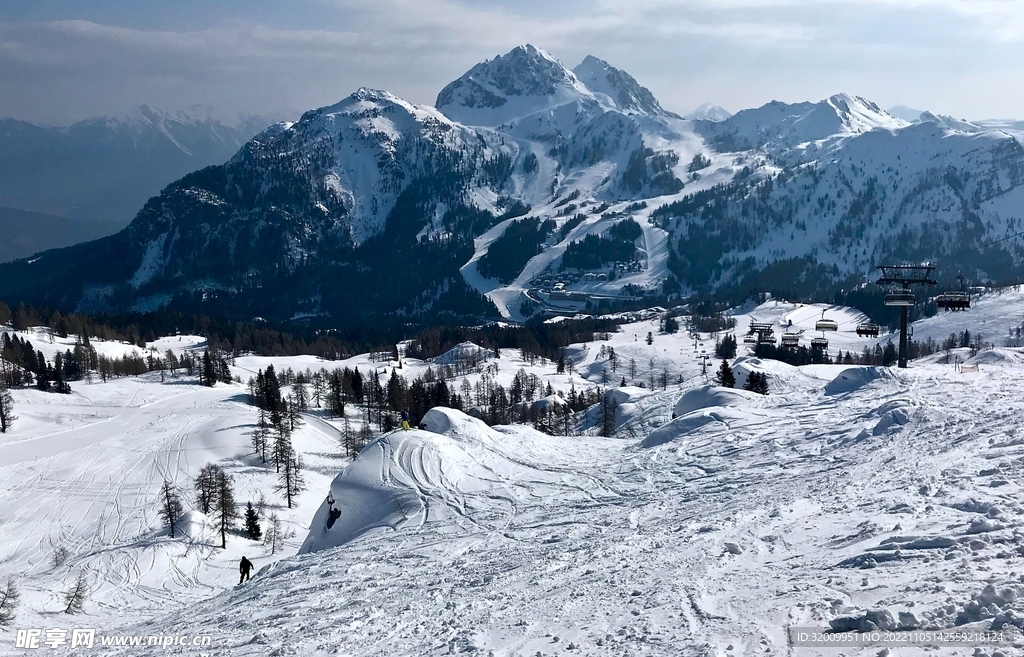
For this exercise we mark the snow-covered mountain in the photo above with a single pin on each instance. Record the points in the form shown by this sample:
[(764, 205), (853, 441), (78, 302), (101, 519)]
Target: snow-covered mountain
[(781, 126), (510, 87), (105, 168), (620, 87), (905, 112), (709, 112), (527, 174)]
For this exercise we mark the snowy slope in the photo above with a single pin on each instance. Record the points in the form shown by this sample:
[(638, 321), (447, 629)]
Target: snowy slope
[(729, 529), (82, 473), (714, 518), (780, 126)]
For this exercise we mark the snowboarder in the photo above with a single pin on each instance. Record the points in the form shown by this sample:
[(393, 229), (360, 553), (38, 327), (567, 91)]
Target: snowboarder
[(332, 516), (405, 420), (333, 513), (244, 567)]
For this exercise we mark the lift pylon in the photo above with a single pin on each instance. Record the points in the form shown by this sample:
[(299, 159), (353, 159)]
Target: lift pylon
[(899, 279)]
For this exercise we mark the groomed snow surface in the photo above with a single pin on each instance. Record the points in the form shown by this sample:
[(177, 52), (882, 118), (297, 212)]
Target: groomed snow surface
[(846, 490)]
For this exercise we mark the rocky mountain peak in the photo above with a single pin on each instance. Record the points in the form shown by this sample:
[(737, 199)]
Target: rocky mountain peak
[(620, 87), (514, 84)]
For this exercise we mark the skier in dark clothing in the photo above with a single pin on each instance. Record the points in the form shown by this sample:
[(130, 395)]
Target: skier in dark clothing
[(405, 420), (244, 569)]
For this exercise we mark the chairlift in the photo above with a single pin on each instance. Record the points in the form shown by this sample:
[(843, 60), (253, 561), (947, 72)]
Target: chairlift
[(902, 298), (819, 343), (869, 330), (790, 340), (766, 337), (750, 339), (958, 300), (953, 301), (825, 324)]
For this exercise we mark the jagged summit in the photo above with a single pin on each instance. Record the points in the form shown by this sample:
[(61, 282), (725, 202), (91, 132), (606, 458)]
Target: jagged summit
[(527, 80), (524, 80), (859, 114), (620, 87)]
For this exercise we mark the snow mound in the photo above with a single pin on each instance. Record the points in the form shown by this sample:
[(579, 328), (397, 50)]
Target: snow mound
[(406, 479), (776, 371), (455, 424), (897, 417), (461, 353), (713, 396), (997, 357), (682, 427), (548, 403), (398, 479), (626, 395), (855, 378)]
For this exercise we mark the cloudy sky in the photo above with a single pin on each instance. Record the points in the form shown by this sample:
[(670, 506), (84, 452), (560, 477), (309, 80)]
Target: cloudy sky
[(63, 60)]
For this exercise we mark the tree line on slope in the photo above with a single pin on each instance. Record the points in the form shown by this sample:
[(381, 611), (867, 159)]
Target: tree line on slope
[(293, 339)]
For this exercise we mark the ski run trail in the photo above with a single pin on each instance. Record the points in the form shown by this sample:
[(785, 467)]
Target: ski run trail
[(710, 523)]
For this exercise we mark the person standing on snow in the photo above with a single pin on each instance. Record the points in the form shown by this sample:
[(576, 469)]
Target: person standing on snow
[(244, 567), (405, 420)]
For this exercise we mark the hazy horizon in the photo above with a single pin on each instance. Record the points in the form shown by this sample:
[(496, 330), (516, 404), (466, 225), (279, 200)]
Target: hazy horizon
[(61, 62)]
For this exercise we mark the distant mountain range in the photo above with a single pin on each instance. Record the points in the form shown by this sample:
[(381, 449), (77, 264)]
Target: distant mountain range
[(106, 168), (526, 174)]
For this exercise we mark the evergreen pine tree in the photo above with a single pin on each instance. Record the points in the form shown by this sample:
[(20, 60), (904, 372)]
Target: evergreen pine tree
[(724, 377), (7, 416), (607, 415), (757, 382), (225, 508), (348, 437), (252, 523), (75, 596), (206, 487), (272, 536), (170, 506), (282, 450), (208, 376), (261, 435), (890, 355), (8, 603), (290, 479), (650, 338), (727, 347)]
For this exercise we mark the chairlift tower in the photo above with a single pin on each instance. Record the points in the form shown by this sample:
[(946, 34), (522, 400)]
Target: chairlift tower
[(899, 279), (703, 358)]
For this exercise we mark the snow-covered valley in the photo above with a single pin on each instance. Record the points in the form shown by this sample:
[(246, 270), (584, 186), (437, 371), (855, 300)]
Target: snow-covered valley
[(708, 524)]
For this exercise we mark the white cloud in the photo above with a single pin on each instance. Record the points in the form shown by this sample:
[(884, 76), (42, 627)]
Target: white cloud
[(735, 52)]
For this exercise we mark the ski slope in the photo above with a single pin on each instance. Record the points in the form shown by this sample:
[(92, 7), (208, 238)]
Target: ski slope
[(82, 473), (823, 500), (713, 518)]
